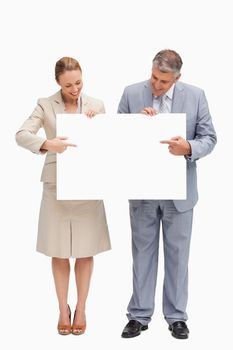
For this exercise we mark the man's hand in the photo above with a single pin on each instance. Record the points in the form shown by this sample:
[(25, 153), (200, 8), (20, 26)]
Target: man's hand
[(149, 111), (57, 145), (178, 146)]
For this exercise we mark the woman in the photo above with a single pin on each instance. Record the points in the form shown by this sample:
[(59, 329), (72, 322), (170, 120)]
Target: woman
[(66, 228)]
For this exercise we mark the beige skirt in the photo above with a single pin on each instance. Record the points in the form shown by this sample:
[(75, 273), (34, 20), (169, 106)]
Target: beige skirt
[(71, 228)]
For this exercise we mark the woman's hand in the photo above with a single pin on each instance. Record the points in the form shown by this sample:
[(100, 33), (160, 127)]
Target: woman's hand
[(57, 145), (90, 113)]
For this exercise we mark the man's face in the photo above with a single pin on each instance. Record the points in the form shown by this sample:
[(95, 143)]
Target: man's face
[(161, 82)]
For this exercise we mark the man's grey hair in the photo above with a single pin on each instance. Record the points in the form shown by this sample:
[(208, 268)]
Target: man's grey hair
[(168, 61)]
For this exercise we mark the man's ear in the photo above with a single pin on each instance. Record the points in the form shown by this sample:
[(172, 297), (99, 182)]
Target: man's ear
[(178, 77)]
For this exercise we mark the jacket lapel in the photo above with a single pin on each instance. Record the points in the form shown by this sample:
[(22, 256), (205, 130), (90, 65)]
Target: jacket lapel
[(57, 103), (178, 98), (147, 95), (84, 103)]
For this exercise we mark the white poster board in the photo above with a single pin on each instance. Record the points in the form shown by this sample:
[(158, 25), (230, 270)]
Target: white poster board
[(120, 156)]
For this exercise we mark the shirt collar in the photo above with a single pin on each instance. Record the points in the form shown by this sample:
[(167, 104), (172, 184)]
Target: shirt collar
[(169, 93)]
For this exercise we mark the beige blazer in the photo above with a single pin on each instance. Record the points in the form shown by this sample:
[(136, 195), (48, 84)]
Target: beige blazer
[(44, 116)]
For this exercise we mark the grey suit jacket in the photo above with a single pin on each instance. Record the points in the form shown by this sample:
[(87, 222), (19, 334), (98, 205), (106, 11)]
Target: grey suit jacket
[(199, 128), (44, 116)]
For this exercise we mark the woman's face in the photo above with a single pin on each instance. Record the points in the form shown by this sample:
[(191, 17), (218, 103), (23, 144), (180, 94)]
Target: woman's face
[(71, 84)]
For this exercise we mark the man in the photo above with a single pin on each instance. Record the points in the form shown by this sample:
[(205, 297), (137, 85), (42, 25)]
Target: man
[(164, 93)]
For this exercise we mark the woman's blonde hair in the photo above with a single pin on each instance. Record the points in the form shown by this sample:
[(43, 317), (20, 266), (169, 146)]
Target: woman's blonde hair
[(64, 64)]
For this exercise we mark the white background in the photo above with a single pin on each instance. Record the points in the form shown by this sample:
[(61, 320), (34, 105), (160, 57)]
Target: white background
[(115, 42)]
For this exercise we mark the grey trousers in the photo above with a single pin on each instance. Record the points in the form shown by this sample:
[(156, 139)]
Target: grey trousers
[(146, 217)]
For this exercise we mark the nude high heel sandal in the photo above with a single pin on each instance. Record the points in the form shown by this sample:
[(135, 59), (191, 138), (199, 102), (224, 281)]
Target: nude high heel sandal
[(78, 329), (65, 329)]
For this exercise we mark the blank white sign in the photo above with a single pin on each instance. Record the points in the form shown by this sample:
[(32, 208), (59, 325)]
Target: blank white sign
[(120, 156)]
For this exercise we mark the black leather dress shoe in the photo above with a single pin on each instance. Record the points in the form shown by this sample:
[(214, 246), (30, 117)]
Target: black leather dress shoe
[(179, 330), (133, 328)]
